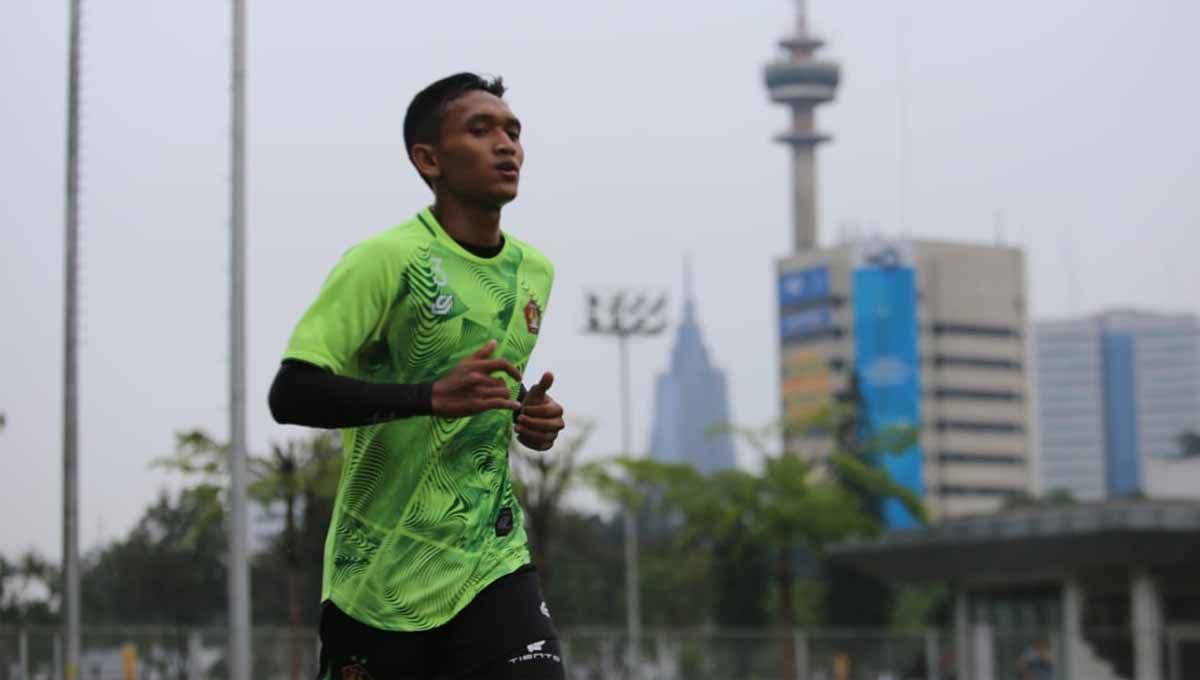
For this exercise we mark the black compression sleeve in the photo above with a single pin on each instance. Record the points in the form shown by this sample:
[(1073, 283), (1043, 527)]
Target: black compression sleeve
[(304, 394)]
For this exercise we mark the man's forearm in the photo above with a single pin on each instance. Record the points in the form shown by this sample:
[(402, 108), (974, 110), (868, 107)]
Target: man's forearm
[(304, 394)]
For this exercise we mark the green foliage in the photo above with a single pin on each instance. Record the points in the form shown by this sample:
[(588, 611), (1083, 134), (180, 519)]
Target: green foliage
[(854, 599), (540, 481), (30, 589), (168, 571), (808, 602), (921, 606), (304, 467), (588, 572), (809, 499)]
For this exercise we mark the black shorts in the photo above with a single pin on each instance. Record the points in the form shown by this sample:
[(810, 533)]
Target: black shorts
[(504, 634)]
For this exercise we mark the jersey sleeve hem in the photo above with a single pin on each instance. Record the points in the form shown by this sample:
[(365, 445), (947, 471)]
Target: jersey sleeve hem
[(314, 358)]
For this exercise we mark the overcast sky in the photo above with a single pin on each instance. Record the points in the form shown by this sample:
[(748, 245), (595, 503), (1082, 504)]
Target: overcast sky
[(647, 131)]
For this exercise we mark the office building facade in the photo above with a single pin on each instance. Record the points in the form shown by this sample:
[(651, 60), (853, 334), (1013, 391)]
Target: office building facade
[(1115, 393)]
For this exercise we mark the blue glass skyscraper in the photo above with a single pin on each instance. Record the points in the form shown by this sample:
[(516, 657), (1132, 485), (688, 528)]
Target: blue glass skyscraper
[(690, 399)]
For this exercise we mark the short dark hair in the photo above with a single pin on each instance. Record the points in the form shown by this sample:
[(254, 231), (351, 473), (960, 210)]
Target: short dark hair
[(423, 121)]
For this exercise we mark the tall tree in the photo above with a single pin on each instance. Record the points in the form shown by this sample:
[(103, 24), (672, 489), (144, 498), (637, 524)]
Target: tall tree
[(168, 571), (301, 475)]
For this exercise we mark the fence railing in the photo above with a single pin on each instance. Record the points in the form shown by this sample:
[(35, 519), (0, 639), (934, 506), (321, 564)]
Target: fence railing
[(139, 653)]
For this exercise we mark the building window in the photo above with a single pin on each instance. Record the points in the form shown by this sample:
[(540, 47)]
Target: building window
[(941, 360), (813, 336), (830, 302), (980, 458), (995, 427), (976, 394), (965, 490), (945, 328)]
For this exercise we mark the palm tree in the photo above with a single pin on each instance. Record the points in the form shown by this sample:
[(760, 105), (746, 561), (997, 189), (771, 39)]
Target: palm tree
[(800, 498), (296, 473)]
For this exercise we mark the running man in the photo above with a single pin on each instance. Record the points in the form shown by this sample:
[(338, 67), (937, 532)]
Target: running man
[(415, 348)]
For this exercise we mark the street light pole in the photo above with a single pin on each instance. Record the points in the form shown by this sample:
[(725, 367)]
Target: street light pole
[(626, 319), (238, 569), (71, 591), (633, 596)]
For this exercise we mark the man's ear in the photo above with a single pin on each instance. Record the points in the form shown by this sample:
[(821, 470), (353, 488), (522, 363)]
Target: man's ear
[(426, 160)]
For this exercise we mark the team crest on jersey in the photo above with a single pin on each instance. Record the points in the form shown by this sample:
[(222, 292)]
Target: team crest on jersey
[(533, 317)]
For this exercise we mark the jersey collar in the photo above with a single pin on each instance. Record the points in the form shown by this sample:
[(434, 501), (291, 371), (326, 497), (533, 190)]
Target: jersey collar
[(431, 223)]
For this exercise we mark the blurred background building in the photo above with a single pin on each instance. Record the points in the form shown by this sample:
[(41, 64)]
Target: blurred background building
[(926, 334), (1116, 391), (933, 333), (691, 399)]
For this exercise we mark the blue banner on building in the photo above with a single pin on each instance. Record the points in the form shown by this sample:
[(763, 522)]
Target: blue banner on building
[(803, 286), (887, 360), (804, 310), (797, 326)]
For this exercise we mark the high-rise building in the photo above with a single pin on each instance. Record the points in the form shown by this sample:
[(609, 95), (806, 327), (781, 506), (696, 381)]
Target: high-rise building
[(690, 401), (933, 334), (1115, 392), (927, 334)]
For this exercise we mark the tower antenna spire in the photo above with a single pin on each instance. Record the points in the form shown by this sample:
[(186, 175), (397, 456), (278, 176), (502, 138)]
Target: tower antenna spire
[(802, 82)]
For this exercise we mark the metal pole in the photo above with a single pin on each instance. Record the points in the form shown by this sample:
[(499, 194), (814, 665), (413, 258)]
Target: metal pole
[(933, 656), (239, 570), (23, 653), (71, 362), (633, 607), (800, 646)]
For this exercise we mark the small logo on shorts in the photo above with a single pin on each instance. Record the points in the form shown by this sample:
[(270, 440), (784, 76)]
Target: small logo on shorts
[(536, 651), (533, 317), (355, 672), (545, 610)]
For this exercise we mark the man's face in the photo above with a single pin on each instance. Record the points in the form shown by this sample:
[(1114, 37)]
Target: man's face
[(479, 151)]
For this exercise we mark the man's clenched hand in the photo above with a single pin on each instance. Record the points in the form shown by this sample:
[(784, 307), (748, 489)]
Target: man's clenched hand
[(540, 418), (470, 388)]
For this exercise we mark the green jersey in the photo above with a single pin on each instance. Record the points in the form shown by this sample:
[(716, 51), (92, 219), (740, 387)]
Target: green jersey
[(425, 515)]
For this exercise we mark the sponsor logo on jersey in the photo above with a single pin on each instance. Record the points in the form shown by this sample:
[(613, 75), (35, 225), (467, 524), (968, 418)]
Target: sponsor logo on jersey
[(536, 646), (442, 304), (439, 275)]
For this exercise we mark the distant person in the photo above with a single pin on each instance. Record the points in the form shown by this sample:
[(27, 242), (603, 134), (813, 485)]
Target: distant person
[(415, 348), (1036, 663), (841, 666)]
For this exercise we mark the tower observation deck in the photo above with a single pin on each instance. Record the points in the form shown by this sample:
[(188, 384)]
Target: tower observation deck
[(801, 82)]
